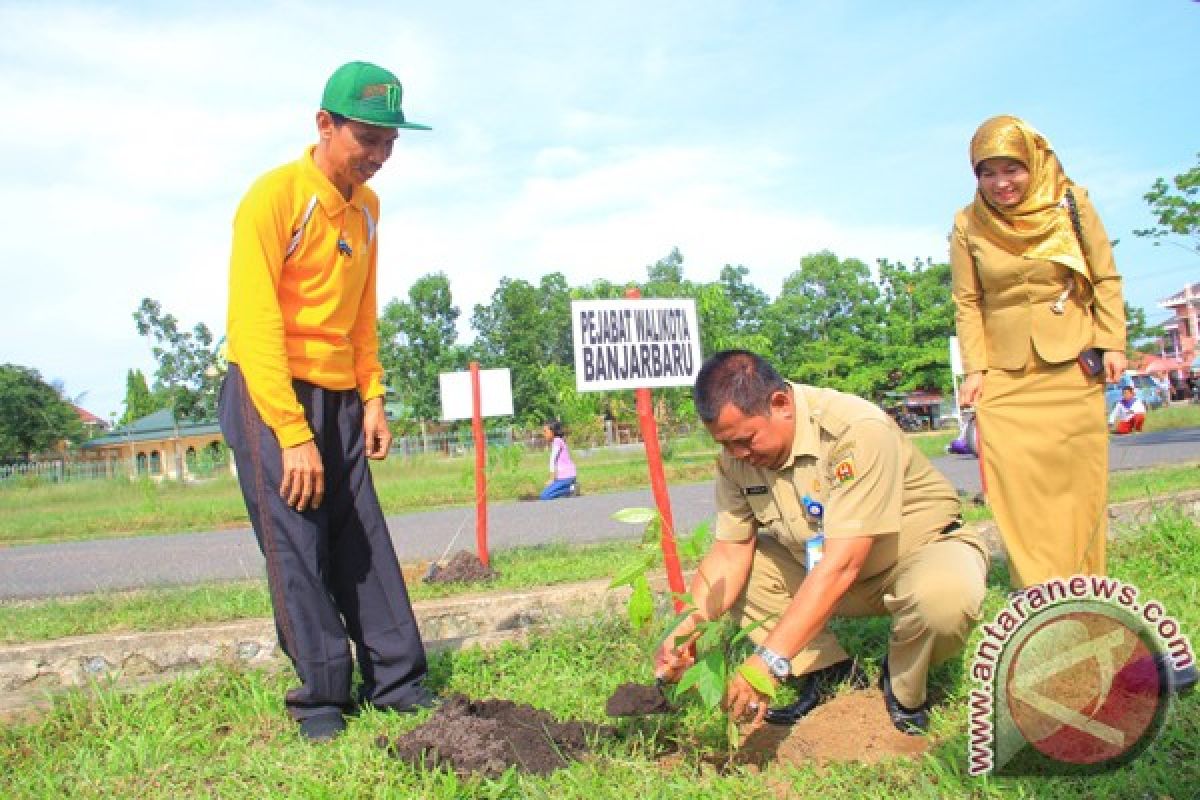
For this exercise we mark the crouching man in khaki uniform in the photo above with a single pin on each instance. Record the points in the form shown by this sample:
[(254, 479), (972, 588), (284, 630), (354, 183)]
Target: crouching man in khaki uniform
[(824, 507)]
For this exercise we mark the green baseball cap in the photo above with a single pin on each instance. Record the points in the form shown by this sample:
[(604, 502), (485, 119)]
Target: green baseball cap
[(366, 93)]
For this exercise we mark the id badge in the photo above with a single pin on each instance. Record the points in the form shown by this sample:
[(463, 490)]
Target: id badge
[(814, 548)]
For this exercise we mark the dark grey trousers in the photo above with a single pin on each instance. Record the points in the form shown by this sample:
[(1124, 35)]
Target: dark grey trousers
[(332, 571)]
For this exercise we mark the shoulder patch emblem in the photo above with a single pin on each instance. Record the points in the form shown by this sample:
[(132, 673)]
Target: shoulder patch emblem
[(843, 472)]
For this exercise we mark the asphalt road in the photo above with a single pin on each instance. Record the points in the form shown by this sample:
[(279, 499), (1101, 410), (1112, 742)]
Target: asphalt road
[(73, 568)]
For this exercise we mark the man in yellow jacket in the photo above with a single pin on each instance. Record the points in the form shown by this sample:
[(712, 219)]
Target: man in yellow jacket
[(302, 408)]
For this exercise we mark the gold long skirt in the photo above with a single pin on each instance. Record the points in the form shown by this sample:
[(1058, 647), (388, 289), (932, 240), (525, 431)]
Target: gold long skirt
[(1044, 456)]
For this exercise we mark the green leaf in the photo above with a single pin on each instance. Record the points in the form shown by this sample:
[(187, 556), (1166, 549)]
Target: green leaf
[(712, 636), (632, 572), (746, 631), (707, 677), (697, 544), (641, 603), (732, 734), (635, 516), (757, 679), (653, 533)]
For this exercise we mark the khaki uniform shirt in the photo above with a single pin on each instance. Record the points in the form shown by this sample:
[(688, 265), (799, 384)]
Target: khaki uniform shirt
[(850, 456)]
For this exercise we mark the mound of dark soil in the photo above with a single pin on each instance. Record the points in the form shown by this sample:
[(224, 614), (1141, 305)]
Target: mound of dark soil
[(635, 700), (464, 567), (486, 737)]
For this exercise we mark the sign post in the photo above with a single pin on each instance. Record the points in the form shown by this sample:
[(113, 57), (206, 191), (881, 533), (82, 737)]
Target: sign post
[(477, 394), (481, 547), (638, 344)]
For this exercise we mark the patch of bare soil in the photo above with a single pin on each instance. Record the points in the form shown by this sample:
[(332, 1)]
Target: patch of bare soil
[(487, 737), (464, 567), (636, 700), (853, 726)]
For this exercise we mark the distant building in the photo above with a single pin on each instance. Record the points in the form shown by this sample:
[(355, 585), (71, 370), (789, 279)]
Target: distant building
[(92, 424), (1183, 328), (159, 446)]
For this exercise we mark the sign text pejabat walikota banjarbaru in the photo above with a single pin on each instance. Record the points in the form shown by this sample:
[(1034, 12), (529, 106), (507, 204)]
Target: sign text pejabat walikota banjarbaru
[(635, 343)]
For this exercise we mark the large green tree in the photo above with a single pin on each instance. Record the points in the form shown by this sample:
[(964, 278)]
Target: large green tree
[(417, 341), (139, 400), (187, 362), (1176, 208), (917, 327), (749, 302), (33, 415), (526, 328), (826, 324), (1139, 336)]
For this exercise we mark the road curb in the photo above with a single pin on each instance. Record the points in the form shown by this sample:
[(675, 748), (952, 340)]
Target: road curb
[(31, 674)]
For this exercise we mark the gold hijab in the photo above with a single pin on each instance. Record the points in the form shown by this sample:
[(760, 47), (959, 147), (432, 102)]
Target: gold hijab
[(1039, 227)]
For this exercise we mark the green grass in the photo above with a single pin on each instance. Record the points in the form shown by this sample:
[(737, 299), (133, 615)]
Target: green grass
[(169, 608), (33, 511), (1180, 415), (224, 734), (38, 512), (933, 444)]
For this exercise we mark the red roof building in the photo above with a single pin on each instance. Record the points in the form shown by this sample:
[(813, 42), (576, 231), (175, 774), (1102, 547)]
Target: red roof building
[(89, 419), (1183, 328)]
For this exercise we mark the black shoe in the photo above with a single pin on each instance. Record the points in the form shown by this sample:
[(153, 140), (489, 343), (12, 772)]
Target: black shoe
[(1181, 681), (425, 699), (815, 688), (323, 727), (1184, 680), (914, 721)]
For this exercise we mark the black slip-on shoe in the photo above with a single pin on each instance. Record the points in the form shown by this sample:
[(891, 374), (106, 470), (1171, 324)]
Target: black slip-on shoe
[(815, 688), (1181, 681), (1184, 680), (913, 721), (323, 727), (424, 700)]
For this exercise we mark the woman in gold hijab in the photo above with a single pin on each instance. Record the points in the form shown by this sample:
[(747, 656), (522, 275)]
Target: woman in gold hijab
[(1034, 287)]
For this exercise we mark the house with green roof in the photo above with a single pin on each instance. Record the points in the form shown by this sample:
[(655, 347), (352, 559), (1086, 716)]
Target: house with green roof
[(160, 446)]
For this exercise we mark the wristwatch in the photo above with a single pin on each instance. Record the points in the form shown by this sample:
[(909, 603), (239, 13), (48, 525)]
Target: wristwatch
[(779, 666)]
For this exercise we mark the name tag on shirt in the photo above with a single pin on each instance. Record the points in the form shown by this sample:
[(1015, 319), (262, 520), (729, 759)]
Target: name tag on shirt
[(753, 490)]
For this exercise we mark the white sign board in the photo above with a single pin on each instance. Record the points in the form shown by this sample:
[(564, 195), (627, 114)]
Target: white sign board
[(635, 343), (956, 365), (495, 394)]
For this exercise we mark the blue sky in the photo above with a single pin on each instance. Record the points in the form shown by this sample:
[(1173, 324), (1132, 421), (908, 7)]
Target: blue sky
[(584, 138)]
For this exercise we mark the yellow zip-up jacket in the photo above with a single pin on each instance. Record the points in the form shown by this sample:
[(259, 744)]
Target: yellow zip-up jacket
[(309, 316)]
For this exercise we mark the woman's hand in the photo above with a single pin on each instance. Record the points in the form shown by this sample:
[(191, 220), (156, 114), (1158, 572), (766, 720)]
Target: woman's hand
[(972, 389), (1114, 365)]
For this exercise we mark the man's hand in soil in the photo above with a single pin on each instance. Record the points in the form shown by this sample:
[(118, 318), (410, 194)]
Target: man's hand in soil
[(376, 433), (742, 700), (303, 484)]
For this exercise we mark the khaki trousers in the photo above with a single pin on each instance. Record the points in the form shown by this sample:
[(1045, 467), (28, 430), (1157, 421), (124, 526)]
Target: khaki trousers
[(933, 594)]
